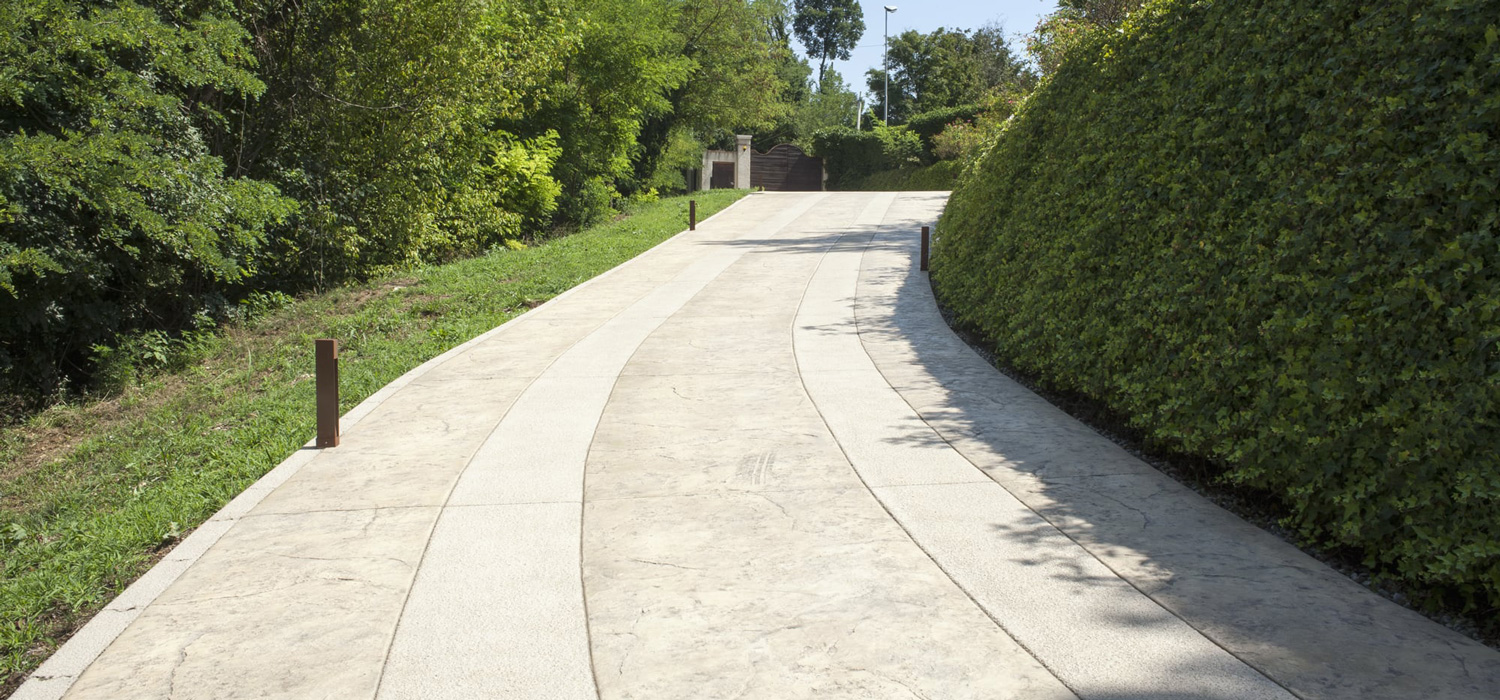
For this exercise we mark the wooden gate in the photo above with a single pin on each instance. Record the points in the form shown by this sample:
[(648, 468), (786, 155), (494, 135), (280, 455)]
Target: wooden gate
[(722, 176), (786, 168)]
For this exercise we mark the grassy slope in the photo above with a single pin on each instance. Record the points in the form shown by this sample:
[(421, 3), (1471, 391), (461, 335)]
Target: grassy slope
[(92, 494)]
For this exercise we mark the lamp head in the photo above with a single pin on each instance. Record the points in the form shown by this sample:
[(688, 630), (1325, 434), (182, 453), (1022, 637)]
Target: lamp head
[(890, 8)]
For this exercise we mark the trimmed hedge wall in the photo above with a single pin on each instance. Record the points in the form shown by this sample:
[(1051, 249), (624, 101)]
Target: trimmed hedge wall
[(929, 124), (1267, 232), (849, 155)]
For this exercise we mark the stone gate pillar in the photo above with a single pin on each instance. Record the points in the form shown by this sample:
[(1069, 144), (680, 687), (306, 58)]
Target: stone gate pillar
[(742, 162)]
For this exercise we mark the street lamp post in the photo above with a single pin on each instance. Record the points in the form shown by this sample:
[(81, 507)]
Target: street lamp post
[(886, 60)]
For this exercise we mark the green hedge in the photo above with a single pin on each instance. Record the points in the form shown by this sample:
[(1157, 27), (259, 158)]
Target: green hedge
[(929, 124), (848, 155), (1267, 232), (942, 175)]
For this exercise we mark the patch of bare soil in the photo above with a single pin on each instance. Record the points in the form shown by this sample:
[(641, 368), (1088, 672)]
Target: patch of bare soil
[(58, 430)]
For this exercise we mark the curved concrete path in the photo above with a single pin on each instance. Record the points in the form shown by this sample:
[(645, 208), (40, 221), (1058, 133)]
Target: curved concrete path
[(751, 463)]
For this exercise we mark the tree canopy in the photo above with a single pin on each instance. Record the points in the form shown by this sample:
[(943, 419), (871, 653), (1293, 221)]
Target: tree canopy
[(162, 161), (945, 68), (115, 208), (828, 29)]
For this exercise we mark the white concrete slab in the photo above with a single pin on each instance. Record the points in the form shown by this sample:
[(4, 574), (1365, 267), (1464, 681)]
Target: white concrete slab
[(284, 606), (448, 645), (510, 576), (731, 552)]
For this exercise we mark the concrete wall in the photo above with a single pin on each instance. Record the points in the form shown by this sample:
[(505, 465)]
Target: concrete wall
[(709, 158), (740, 156)]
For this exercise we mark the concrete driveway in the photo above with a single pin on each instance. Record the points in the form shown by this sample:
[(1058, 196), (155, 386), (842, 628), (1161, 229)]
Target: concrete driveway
[(751, 463)]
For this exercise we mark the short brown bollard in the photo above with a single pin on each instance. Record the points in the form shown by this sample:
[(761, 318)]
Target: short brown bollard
[(328, 392), (692, 215), (926, 237)]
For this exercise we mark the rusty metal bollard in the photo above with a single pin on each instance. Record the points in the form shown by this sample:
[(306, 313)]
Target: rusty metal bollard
[(926, 246), (692, 215), (327, 353)]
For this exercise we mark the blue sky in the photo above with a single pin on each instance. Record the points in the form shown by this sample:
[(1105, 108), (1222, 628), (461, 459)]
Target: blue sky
[(1018, 17)]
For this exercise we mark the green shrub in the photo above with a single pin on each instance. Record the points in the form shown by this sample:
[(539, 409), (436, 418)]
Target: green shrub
[(928, 125), (900, 147), (1267, 232), (961, 140), (848, 155), (591, 205), (135, 356)]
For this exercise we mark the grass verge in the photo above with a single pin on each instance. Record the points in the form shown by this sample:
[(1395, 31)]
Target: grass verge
[(93, 493)]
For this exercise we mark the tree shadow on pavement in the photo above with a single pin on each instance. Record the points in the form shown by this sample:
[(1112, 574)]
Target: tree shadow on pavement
[(1300, 622)]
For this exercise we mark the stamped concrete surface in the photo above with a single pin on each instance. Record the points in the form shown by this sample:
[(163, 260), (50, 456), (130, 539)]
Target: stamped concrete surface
[(751, 463)]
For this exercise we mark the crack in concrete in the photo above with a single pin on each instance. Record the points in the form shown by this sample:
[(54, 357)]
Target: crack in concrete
[(177, 667), (663, 563), (779, 507)]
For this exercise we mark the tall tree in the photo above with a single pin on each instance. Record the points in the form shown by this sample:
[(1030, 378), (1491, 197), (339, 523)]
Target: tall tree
[(377, 120), (829, 29), (946, 68), (732, 84), (115, 216), (617, 78), (777, 16)]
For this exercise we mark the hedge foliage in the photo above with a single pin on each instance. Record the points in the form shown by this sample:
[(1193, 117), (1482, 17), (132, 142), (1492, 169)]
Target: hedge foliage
[(1267, 232), (929, 124), (850, 156), (942, 175), (847, 154)]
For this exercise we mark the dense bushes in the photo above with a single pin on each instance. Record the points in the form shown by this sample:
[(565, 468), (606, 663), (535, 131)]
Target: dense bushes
[(849, 155), (1267, 231), (161, 161), (928, 125), (115, 214), (379, 117)]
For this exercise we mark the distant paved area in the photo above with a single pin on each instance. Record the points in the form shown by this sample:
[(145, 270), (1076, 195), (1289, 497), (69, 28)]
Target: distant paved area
[(751, 463)]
